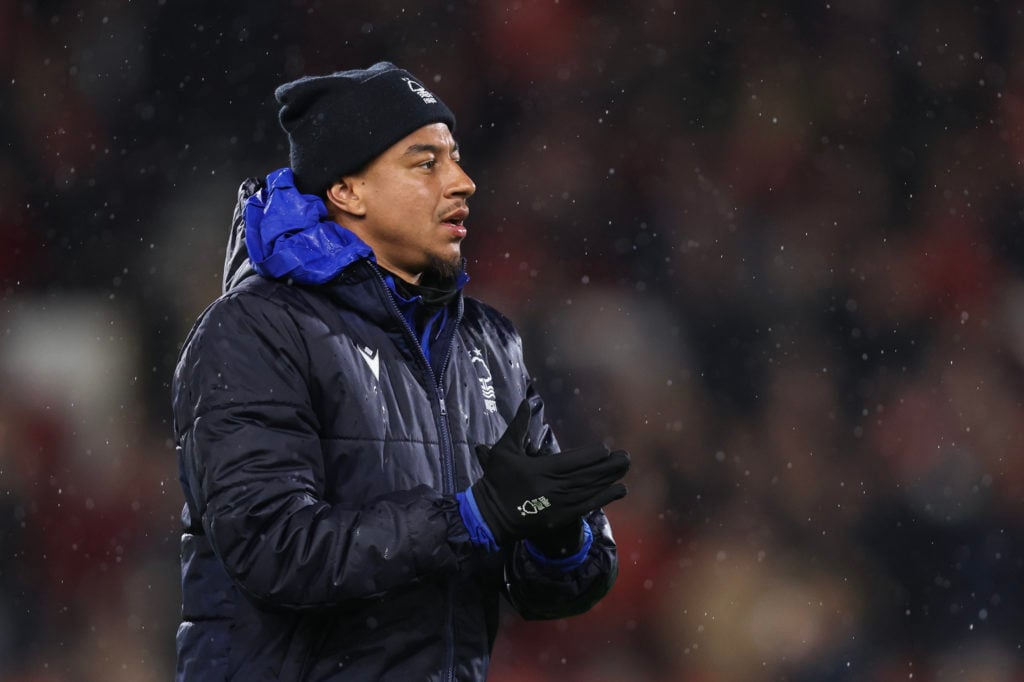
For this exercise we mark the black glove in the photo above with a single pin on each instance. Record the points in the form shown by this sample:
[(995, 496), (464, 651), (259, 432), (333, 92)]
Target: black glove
[(523, 494), (560, 542)]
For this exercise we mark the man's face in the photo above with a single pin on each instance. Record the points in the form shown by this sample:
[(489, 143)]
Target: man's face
[(414, 200)]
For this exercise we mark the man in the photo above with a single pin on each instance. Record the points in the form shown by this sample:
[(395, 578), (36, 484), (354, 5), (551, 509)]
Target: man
[(365, 463)]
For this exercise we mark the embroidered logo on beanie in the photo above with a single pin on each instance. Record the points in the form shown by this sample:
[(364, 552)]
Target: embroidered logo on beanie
[(426, 95)]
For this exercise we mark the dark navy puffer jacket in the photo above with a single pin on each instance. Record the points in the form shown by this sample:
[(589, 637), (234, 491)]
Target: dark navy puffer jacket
[(320, 457)]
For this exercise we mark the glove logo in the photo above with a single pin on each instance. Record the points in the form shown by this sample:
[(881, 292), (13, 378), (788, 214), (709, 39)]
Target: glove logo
[(537, 504)]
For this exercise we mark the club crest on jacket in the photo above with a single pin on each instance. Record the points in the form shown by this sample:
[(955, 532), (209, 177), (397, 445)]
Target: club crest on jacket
[(485, 379)]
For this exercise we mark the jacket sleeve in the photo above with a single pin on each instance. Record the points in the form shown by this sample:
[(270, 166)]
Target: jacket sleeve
[(252, 470), (542, 588)]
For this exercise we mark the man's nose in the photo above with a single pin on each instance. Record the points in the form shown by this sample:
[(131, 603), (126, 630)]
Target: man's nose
[(461, 184)]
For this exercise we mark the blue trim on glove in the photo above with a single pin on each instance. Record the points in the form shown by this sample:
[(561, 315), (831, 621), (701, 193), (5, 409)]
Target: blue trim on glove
[(568, 563), (479, 532)]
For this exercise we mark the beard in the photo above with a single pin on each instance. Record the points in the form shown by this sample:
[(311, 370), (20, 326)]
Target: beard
[(442, 269)]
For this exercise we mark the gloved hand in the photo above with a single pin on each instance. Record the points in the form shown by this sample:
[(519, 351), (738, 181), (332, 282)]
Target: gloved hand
[(559, 542), (523, 495)]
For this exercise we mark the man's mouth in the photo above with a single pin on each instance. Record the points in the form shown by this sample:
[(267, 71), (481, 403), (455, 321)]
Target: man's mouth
[(455, 221)]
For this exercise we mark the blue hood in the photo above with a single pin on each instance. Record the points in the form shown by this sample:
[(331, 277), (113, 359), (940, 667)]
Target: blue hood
[(289, 235)]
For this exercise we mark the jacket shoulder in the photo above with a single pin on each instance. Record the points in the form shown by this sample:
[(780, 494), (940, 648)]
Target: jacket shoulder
[(268, 296), (487, 319), (258, 319), (251, 294)]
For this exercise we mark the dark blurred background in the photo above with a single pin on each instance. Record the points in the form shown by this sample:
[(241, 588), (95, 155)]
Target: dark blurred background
[(775, 249)]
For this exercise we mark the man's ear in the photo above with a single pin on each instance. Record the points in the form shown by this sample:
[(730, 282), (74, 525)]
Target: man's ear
[(344, 195)]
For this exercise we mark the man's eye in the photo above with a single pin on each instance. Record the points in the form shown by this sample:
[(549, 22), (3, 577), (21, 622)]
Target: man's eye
[(429, 164)]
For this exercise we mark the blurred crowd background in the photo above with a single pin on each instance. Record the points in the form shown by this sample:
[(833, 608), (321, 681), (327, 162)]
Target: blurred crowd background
[(774, 249)]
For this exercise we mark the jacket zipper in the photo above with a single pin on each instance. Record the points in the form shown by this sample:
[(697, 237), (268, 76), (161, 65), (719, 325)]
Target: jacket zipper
[(447, 449)]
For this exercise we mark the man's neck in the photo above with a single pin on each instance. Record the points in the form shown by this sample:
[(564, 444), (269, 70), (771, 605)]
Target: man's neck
[(432, 291)]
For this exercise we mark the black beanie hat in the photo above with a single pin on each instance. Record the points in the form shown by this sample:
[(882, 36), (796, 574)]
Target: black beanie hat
[(338, 123)]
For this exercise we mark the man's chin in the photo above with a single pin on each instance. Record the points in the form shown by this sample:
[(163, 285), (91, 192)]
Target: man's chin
[(445, 267)]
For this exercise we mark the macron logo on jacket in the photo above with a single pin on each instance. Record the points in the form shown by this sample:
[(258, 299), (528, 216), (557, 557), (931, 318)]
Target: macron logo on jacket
[(372, 359)]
